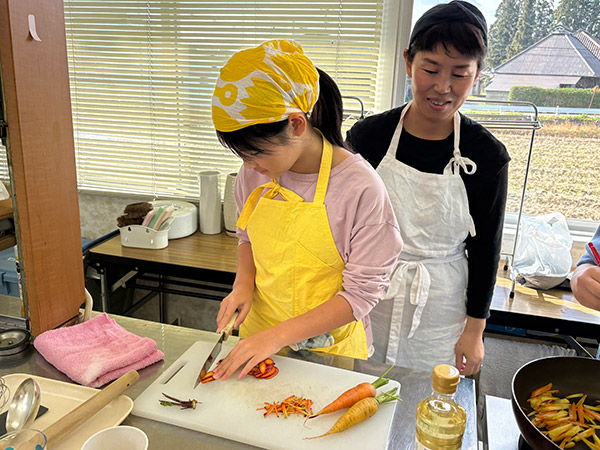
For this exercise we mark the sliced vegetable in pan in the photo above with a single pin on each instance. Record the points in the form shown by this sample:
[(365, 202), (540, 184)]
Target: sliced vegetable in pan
[(567, 420)]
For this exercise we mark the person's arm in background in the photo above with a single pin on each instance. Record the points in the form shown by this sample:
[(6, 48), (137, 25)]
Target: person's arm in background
[(483, 250), (585, 281)]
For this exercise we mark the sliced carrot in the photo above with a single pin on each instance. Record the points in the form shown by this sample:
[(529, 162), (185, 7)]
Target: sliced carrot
[(583, 425), (580, 415), (289, 406), (270, 410), (541, 390), (273, 371), (572, 412), (591, 413), (272, 375)]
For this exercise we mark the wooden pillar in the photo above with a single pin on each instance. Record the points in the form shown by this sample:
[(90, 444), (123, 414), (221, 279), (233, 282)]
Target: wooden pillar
[(41, 157)]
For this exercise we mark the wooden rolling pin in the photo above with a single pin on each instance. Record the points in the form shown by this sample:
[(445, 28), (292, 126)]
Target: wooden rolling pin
[(63, 426)]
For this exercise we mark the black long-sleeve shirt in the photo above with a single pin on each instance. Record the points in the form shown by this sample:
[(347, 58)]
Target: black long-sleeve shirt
[(486, 188)]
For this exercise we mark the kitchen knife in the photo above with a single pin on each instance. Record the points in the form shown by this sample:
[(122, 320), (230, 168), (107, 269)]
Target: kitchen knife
[(225, 333)]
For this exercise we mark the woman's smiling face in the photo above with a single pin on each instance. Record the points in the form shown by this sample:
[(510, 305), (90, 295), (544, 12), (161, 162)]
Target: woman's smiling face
[(441, 82)]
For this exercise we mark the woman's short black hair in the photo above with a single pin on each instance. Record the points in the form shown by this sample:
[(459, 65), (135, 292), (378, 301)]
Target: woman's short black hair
[(465, 38)]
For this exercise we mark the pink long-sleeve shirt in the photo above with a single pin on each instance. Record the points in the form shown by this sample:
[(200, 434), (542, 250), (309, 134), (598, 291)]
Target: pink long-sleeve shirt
[(362, 223)]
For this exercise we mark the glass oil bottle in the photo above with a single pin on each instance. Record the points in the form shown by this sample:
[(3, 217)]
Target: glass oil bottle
[(440, 420)]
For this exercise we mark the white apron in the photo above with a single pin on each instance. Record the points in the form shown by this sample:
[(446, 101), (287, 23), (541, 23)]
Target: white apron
[(423, 312)]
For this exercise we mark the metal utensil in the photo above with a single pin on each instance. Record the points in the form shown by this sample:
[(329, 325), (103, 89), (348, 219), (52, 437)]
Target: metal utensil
[(225, 333), (14, 341), (24, 406)]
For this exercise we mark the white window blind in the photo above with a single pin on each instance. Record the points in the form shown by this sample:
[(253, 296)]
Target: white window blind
[(4, 176), (142, 74)]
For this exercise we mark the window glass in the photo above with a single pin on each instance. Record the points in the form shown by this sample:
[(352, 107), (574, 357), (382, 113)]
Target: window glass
[(546, 52), (143, 72)]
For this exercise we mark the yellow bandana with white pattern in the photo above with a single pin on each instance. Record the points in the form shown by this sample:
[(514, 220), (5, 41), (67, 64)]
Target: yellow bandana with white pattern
[(264, 84)]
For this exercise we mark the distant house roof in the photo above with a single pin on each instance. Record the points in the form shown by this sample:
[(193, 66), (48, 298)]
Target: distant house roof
[(561, 53), (590, 42)]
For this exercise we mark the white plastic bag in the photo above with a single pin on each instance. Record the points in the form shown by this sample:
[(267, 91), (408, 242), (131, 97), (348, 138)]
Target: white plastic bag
[(543, 256)]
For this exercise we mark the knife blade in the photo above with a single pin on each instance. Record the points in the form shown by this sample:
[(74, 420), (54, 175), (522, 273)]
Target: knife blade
[(225, 333)]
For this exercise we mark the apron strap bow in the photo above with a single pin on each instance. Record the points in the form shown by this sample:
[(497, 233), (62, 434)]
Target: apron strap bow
[(418, 295), (458, 161), (271, 190)]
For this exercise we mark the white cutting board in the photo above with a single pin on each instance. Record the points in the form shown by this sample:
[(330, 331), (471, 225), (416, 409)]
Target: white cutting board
[(229, 408)]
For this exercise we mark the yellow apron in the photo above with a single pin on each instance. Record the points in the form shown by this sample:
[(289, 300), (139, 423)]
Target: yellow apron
[(297, 263)]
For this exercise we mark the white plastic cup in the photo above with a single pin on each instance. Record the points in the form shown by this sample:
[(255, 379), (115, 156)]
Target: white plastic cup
[(210, 209), (229, 205), (117, 438)]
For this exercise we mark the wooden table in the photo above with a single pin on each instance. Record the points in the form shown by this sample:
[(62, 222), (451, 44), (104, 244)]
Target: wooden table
[(545, 311), (205, 262)]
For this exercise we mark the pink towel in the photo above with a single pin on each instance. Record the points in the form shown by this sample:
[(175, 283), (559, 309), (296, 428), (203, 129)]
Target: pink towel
[(97, 351)]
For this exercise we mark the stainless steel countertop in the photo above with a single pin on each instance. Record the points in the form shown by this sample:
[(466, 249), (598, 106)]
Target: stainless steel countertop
[(174, 341)]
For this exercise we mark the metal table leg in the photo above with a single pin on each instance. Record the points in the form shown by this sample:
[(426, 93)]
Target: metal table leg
[(162, 313), (104, 289)]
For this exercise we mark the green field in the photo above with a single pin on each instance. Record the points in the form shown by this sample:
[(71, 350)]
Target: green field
[(564, 175)]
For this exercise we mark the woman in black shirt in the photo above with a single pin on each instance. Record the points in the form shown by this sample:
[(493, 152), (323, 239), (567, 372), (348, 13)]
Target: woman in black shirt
[(447, 179)]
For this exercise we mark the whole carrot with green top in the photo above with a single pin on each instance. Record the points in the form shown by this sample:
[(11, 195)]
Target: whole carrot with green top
[(357, 393), (360, 411)]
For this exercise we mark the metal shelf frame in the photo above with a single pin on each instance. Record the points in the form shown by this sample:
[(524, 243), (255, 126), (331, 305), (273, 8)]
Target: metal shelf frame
[(525, 120)]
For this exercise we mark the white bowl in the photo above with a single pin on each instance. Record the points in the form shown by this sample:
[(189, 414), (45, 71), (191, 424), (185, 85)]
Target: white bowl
[(117, 438)]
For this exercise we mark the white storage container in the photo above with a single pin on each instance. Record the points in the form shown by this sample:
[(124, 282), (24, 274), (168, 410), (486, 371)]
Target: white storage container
[(143, 237)]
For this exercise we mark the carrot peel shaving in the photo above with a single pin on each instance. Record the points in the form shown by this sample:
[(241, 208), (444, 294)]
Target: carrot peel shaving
[(289, 406)]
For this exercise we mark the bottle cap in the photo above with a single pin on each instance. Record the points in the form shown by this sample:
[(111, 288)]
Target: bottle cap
[(445, 379)]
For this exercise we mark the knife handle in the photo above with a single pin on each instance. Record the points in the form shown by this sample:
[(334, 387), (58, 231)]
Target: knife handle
[(227, 329)]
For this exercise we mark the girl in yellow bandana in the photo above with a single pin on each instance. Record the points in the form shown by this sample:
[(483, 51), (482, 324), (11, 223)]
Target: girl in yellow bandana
[(318, 237)]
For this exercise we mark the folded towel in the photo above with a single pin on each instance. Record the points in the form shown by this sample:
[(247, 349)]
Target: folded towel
[(97, 351)]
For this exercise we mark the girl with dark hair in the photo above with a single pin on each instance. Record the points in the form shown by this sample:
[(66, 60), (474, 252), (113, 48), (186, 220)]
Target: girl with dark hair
[(318, 237), (447, 179)]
